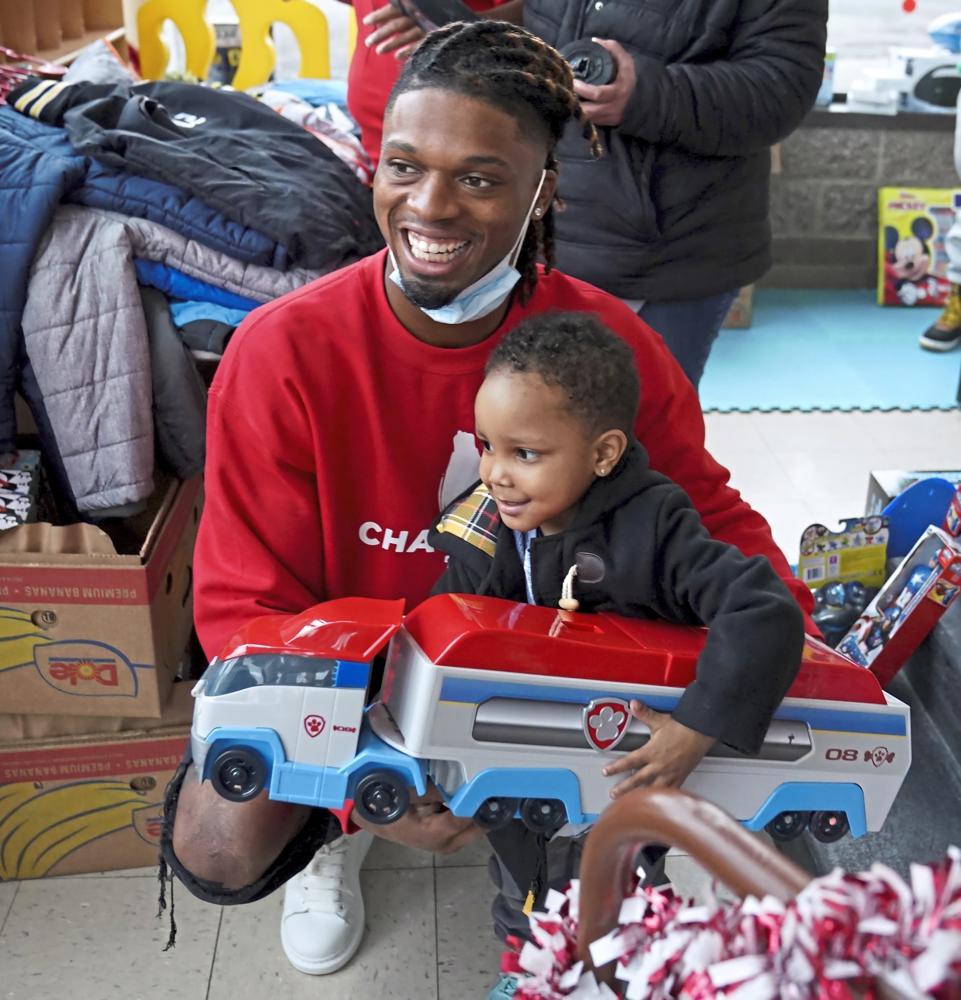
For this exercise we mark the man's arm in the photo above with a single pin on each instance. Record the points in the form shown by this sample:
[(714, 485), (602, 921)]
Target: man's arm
[(741, 104), (259, 548)]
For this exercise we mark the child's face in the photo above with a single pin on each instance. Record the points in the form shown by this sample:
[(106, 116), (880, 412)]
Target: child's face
[(538, 458)]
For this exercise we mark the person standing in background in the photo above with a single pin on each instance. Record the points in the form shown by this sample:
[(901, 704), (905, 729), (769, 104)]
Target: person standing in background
[(384, 38), (944, 333), (674, 218)]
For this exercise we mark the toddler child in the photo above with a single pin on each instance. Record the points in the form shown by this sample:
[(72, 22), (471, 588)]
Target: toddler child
[(568, 513)]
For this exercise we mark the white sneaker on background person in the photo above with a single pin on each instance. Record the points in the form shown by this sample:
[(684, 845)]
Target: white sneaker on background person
[(323, 921)]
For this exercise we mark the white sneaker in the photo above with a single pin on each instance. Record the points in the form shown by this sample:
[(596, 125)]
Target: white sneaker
[(323, 921)]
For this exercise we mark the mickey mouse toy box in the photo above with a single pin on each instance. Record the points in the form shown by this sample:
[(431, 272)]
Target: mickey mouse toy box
[(912, 259)]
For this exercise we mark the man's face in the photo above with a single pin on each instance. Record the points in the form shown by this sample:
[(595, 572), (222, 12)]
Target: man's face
[(538, 459), (454, 185)]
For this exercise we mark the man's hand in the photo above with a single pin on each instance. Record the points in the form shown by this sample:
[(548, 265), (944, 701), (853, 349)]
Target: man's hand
[(395, 32), (670, 755), (605, 105), (428, 825)]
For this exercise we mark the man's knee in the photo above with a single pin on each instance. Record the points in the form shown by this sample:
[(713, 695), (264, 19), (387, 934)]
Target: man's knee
[(229, 845)]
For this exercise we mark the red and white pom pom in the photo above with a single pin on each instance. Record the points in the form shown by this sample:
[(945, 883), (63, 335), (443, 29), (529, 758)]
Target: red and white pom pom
[(844, 936)]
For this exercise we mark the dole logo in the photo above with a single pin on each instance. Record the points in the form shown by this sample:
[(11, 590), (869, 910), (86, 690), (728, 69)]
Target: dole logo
[(85, 668), (314, 724), (148, 823), (605, 722)]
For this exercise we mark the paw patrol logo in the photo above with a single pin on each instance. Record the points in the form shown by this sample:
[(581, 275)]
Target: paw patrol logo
[(605, 722), (314, 724), (879, 756)]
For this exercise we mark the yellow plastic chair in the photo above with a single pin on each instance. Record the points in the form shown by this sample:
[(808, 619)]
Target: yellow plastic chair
[(257, 55), (198, 36)]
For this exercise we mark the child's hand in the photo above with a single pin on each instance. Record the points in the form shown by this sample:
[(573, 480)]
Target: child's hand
[(670, 755)]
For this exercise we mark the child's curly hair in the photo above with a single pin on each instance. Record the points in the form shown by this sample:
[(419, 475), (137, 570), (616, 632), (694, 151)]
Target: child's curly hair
[(575, 351)]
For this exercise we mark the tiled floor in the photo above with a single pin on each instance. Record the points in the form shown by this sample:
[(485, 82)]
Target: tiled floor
[(96, 937)]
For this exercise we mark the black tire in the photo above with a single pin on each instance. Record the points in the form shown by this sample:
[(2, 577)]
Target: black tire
[(543, 815), (828, 827), (239, 774), (787, 825), (381, 797), (494, 813)]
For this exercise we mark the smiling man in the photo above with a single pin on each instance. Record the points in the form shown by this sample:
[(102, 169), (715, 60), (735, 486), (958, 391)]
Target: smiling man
[(341, 421)]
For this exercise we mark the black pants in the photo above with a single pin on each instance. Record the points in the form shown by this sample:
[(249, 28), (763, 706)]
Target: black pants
[(524, 861)]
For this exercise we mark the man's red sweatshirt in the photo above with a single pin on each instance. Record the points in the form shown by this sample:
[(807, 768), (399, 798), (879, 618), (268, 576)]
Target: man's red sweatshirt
[(335, 437)]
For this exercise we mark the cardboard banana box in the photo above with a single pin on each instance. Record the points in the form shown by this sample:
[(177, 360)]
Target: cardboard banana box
[(88, 803), (85, 631)]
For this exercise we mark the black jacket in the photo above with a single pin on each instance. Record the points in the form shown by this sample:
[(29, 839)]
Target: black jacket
[(678, 207), (637, 534), (233, 153)]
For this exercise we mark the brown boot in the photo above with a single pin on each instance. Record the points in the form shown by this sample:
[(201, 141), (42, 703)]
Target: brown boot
[(945, 333)]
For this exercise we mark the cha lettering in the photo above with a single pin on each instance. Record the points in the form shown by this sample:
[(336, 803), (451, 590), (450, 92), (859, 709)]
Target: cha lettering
[(371, 533)]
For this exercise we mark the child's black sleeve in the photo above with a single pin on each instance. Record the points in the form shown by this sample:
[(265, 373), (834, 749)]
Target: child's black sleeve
[(755, 627)]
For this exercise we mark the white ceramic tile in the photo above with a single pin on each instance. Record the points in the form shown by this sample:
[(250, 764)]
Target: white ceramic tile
[(473, 855), (150, 871), (397, 959), (689, 879), (95, 938), (732, 432), (817, 432), (468, 952), (384, 854), (7, 891), (905, 431)]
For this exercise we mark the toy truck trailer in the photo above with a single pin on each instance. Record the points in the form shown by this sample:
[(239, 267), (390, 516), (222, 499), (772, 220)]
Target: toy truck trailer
[(511, 710)]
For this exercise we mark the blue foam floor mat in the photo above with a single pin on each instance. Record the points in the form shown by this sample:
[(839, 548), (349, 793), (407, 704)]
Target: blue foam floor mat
[(829, 350)]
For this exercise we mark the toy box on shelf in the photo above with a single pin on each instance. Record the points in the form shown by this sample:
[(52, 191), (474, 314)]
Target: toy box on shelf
[(909, 604), (844, 570), (912, 259), (88, 631), (78, 799), (885, 484)]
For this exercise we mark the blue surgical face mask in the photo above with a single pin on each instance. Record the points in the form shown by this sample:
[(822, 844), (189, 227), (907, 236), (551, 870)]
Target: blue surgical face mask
[(488, 292)]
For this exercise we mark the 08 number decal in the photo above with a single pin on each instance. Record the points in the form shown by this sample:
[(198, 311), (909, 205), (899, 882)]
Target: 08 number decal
[(836, 753)]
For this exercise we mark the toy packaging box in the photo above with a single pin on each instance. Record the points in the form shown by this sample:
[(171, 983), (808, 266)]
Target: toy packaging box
[(885, 484), (86, 631), (907, 607), (843, 569), (912, 259), (19, 488), (87, 802)]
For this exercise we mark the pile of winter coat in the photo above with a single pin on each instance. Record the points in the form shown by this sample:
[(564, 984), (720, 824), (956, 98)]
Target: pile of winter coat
[(141, 221)]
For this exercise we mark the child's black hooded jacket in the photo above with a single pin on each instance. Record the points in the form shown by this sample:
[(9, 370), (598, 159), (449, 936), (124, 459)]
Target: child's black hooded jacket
[(642, 551)]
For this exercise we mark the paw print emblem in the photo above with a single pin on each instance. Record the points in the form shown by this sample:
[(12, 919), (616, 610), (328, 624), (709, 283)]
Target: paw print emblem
[(605, 722), (314, 724), (879, 756)]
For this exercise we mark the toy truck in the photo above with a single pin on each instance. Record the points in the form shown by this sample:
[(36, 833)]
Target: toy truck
[(511, 710)]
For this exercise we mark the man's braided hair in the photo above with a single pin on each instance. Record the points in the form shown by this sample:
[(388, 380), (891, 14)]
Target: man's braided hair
[(518, 73)]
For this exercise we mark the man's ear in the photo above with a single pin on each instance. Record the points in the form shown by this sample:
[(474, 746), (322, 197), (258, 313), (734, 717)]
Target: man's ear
[(546, 197), (608, 449)]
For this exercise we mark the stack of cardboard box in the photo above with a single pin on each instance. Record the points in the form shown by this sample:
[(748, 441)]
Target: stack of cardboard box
[(94, 723)]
